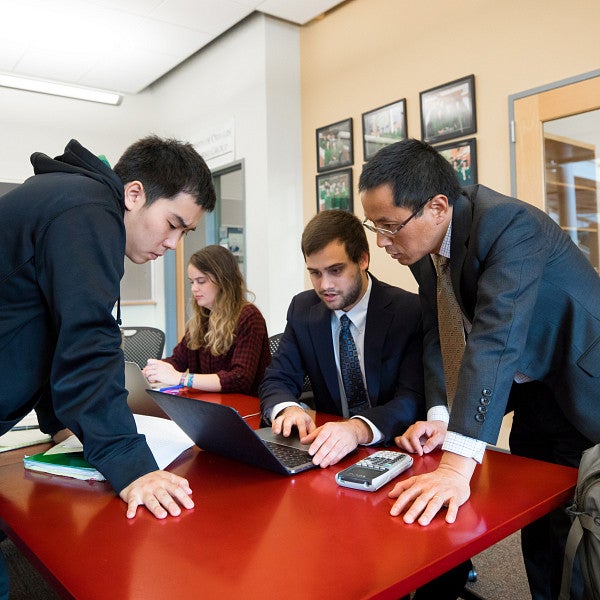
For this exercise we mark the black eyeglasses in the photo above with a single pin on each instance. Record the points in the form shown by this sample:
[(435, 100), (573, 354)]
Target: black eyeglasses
[(393, 232)]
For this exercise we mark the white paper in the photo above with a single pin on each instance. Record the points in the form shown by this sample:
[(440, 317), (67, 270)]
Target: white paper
[(12, 440), (29, 420), (71, 444), (164, 437)]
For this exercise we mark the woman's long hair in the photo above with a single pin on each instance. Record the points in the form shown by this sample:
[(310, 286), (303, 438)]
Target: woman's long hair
[(214, 329)]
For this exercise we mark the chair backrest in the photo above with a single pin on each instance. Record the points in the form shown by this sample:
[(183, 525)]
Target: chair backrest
[(142, 343), (274, 343), (274, 346)]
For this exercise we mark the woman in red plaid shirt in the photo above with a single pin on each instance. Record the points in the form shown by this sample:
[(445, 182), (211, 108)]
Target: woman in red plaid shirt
[(225, 347)]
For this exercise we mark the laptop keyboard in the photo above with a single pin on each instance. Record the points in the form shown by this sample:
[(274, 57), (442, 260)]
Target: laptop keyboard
[(290, 457)]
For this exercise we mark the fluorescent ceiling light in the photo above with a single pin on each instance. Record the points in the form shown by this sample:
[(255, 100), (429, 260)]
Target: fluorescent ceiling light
[(59, 89)]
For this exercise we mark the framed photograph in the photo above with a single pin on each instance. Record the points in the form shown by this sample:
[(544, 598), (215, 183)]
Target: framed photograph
[(462, 156), (383, 126), (334, 191), (335, 146), (448, 111)]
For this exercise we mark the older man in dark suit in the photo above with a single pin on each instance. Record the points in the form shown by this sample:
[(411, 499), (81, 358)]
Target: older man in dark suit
[(530, 306)]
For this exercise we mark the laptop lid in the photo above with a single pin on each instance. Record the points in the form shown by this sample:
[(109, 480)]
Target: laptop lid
[(222, 430), (138, 400)]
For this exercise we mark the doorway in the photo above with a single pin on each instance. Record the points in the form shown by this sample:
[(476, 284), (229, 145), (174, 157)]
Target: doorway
[(224, 226)]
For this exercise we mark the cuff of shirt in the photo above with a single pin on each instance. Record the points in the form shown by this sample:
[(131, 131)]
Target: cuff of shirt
[(377, 435), (438, 413), (281, 406), (465, 446)]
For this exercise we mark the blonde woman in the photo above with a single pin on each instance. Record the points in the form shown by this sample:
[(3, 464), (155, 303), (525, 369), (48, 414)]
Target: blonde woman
[(225, 347)]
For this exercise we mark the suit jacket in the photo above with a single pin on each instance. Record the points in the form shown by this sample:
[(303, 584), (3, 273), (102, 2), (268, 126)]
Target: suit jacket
[(533, 300), (392, 351)]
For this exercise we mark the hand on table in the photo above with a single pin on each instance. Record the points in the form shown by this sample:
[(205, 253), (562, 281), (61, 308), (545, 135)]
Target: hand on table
[(293, 416), (332, 441), (447, 486), (158, 492), (422, 437), (159, 370)]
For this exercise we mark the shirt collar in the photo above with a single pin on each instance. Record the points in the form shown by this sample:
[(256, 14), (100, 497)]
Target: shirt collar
[(445, 247)]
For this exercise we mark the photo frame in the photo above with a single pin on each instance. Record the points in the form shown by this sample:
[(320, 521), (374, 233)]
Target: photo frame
[(383, 126), (335, 146), (462, 155), (334, 191), (448, 111)]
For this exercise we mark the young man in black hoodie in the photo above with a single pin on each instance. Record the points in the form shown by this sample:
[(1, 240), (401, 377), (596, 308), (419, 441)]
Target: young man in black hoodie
[(65, 233)]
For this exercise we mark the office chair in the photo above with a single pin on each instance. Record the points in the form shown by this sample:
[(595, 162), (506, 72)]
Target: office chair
[(274, 346), (274, 343), (142, 343)]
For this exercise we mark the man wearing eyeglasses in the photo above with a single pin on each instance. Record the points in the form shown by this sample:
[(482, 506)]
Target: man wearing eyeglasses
[(529, 305)]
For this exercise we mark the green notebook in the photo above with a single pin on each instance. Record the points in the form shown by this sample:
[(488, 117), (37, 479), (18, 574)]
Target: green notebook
[(71, 464), (164, 438)]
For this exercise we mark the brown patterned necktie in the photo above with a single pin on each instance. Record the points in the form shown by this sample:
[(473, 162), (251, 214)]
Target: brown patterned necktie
[(450, 326)]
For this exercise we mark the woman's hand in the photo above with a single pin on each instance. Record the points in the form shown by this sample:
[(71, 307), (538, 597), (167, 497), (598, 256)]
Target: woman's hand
[(159, 370)]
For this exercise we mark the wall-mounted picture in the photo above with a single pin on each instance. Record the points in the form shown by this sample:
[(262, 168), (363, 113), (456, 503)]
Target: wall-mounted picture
[(448, 111), (335, 146), (334, 191), (463, 158), (383, 126)]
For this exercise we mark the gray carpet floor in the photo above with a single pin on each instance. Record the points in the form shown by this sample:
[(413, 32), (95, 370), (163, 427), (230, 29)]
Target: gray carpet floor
[(25, 581), (501, 574)]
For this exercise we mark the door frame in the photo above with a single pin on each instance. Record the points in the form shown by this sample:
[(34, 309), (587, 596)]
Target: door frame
[(176, 269), (551, 91)]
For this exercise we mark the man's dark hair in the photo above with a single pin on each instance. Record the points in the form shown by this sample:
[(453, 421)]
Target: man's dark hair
[(167, 167), (414, 170), (335, 225)]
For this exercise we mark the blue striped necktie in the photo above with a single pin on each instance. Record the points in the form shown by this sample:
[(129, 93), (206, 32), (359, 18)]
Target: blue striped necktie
[(354, 387)]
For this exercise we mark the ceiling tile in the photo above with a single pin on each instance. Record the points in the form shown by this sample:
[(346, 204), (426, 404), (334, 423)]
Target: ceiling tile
[(166, 38), (137, 71), (296, 11), (55, 65), (137, 7), (201, 15), (122, 45), (9, 55)]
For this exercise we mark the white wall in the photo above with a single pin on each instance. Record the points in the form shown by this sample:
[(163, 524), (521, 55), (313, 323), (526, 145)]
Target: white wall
[(31, 122), (250, 74)]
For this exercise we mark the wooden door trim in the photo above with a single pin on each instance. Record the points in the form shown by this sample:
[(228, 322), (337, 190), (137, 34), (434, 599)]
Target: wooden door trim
[(180, 279), (548, 95)]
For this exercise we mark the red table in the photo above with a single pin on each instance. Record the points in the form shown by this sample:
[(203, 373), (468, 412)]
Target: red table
[(255, 534)]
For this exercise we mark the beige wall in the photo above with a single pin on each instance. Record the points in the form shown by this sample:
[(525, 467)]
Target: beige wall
[(368, 53)]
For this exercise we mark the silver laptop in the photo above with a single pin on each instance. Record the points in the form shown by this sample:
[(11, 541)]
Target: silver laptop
[(222, 430), (138, 400)]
